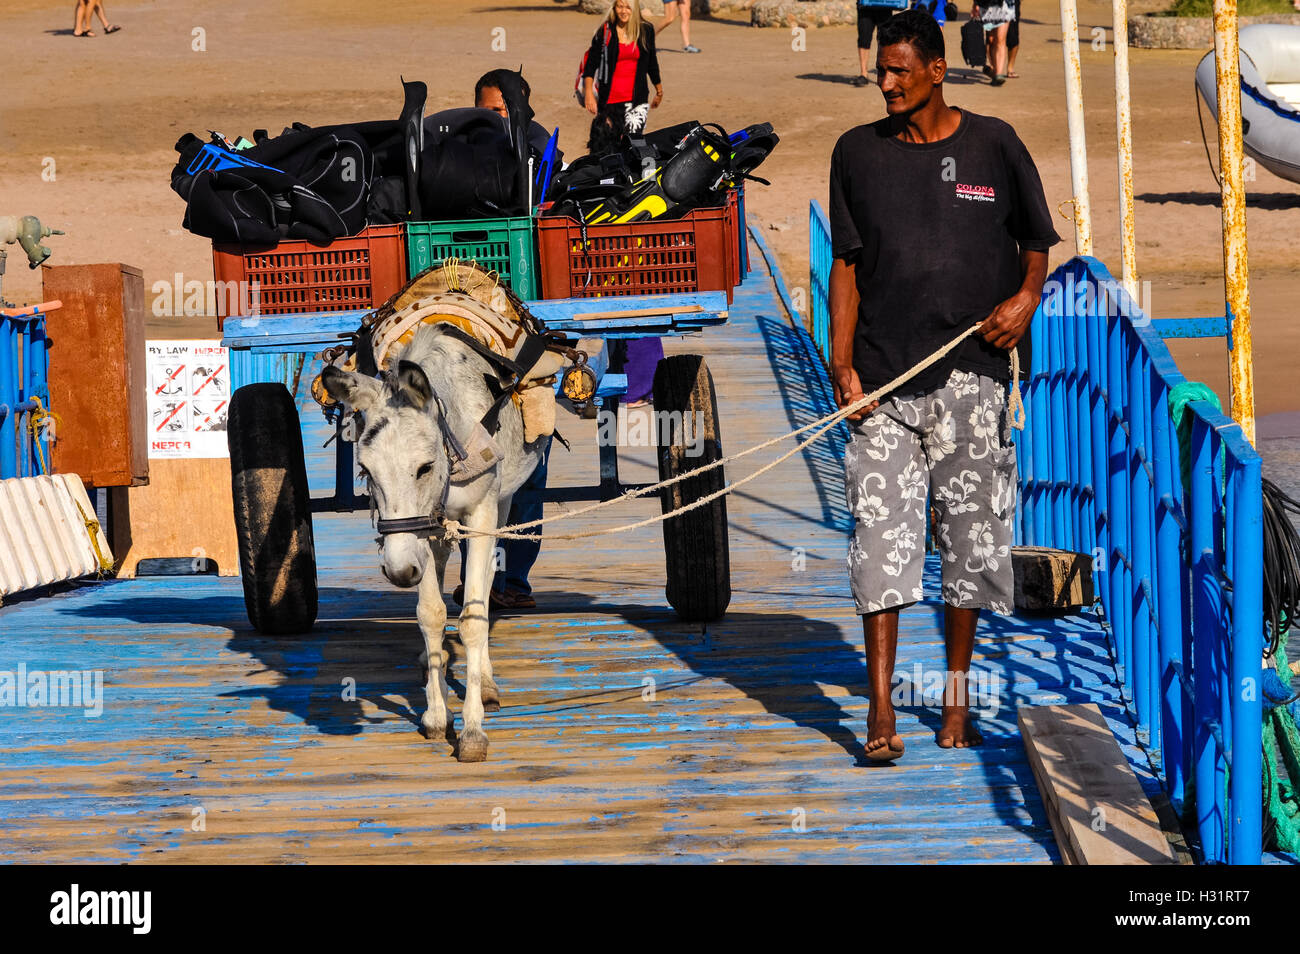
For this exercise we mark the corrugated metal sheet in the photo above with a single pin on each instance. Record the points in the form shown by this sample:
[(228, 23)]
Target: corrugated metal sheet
[(43, 533)]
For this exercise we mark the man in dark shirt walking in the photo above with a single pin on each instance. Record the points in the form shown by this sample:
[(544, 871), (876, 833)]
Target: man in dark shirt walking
[(938, 222)]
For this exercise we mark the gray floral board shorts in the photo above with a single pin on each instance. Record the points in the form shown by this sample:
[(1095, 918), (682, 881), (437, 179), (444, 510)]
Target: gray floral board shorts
[(952, 444)]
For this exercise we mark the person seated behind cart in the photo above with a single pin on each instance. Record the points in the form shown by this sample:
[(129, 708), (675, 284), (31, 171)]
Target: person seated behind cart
[(514, 559), (487, 95)]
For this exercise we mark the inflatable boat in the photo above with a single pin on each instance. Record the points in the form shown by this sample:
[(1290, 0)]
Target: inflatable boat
[(1270, 95)]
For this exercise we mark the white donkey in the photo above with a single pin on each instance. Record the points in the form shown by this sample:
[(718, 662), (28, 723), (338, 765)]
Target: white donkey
[(411, 419)]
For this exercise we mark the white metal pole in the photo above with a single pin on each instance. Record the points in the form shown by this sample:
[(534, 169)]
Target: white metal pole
[(1074, 112), (1124, 139)]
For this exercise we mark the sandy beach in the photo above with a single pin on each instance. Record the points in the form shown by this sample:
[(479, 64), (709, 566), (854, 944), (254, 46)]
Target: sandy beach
[(102, 115)]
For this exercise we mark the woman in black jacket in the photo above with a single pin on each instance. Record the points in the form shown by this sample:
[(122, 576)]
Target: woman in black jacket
[(620, 67)]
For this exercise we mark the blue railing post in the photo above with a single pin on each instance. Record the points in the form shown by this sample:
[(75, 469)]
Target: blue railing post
[(36, 386), (1246, 568), (1169, 590), (1070, 437), (819, 241), (1150, 501), (1059, 452), (1140, 553), (1098, 355), (1222, 625), (1087, 523), (9, 414), (1205, 609), (1040, 446), (1024, 441), (1117, 471)]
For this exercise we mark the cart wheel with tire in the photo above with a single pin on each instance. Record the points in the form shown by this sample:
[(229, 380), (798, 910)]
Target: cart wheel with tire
[(268, 476), (696, 545)]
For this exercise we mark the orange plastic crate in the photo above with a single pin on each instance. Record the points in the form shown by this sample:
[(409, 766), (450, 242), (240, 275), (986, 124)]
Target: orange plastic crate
[(360, 271), (698, 252)]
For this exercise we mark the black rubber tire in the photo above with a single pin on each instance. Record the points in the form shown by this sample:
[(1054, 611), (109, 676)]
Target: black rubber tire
[(268, 476), (696, 545)]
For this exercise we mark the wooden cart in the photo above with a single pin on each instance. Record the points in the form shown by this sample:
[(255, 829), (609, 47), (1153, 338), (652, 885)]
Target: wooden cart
[(273, 507)]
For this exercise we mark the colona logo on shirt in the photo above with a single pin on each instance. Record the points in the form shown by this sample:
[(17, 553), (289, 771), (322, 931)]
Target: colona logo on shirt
[(975, 193)]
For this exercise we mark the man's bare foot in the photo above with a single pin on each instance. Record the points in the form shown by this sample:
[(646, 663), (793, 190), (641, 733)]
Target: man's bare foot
[(884, 744), (957, 730)]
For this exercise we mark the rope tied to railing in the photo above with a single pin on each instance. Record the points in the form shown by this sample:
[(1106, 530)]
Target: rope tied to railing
[(457, 531), (1181, 395), (35, 423)]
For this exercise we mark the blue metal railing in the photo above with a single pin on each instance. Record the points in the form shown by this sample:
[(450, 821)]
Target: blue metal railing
[(23, 383), (1179, 567), (819, 277)]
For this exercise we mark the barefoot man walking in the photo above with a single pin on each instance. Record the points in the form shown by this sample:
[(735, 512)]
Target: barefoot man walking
[(938, 221)]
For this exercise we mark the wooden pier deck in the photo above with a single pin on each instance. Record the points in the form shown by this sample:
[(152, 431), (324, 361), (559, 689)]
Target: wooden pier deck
[(219, 745)]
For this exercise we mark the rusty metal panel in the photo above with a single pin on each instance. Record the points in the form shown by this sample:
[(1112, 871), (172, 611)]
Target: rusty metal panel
[(97, 376)]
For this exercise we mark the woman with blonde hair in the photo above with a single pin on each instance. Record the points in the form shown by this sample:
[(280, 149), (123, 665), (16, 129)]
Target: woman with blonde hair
[(620, 67)]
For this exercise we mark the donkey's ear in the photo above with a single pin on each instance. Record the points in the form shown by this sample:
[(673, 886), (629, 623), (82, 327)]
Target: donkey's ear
[(356, 391), (413, 384)]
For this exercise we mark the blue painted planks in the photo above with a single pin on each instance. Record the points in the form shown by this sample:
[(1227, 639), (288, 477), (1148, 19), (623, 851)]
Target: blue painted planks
[(752, 718)]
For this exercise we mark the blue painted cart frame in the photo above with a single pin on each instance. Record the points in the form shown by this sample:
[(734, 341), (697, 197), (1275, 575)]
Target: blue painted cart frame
[(616, 318)]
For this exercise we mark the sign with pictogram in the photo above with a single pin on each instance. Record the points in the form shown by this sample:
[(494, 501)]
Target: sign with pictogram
[(189, 396)]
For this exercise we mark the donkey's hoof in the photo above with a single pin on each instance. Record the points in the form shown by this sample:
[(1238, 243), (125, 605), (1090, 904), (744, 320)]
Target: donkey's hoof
[(491, 697), (473, 746), (444, 736)]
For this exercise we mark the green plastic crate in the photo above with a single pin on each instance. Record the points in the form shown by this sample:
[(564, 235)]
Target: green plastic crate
[(506, 246)]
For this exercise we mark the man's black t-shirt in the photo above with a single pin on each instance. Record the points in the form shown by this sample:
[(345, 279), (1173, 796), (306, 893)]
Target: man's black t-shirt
[(935, 231)]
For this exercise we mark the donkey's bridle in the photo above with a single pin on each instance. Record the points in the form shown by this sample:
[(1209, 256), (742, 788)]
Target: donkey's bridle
[(433, 524), (429, 525), (510, 373)]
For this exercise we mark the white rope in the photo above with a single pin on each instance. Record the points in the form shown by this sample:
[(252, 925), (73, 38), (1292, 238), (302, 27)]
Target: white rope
[(457, 531), (1015, 406)]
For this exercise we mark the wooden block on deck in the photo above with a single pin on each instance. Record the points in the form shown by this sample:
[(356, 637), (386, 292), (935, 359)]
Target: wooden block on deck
[(1087, 784), (186, 510), (1048, 579)]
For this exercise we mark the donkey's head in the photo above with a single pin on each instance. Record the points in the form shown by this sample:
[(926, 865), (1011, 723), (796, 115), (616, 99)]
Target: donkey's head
[(402, 454)]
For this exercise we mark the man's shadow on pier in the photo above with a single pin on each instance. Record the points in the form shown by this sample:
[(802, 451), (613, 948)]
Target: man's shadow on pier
[(365, 644), (781, 660)]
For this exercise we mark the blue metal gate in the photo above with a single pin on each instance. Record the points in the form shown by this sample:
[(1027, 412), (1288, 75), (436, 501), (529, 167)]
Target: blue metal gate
[(1174, 524), (24, 390)]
